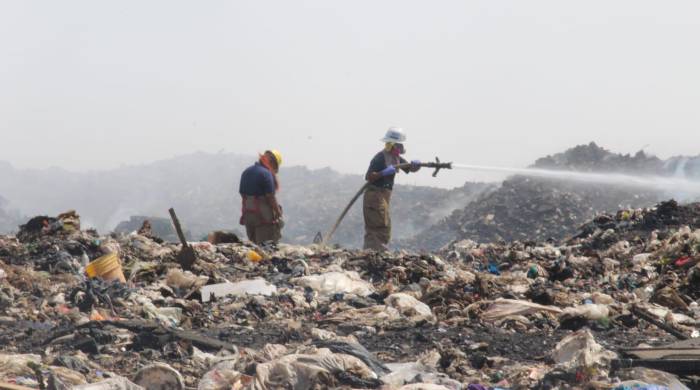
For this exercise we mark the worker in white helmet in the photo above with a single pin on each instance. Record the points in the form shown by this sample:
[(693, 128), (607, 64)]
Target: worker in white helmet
[(380, 175)]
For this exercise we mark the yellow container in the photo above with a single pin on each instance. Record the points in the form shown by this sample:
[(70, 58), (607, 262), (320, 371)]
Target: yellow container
[(107, 267), (254, 256)]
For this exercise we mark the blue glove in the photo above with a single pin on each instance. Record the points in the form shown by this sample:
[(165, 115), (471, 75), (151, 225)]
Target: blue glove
[(388, 171), (415, 164)]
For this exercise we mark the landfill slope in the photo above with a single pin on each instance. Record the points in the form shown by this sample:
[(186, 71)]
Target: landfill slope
[(508, 315), (538, 209)]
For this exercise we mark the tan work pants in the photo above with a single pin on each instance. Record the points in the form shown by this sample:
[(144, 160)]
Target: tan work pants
[(262, 233), (377, 219), (257, 218)]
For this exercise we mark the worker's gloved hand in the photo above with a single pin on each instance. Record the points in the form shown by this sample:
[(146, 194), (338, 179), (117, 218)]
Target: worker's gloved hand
[(415, 165), (388, 171)]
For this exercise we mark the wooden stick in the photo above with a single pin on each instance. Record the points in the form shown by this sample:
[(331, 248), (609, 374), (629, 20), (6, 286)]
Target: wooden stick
[(639, 312), (178, 228)]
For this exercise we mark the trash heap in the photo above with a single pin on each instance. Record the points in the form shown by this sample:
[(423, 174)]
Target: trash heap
[(601, 310), (538, 209), (593, 158)]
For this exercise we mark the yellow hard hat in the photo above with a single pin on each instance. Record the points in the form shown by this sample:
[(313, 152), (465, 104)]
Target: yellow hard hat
[(278, 156)]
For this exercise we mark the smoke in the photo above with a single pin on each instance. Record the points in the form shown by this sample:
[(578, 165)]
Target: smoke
[(122, 213), (680, 167), (459, 201)]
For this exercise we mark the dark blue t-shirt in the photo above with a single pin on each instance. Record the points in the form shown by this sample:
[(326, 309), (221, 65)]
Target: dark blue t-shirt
[(257, 180), (378, 164)]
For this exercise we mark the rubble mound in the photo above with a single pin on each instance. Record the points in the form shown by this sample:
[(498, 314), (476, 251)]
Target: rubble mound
[(606, 229), (671, 215)]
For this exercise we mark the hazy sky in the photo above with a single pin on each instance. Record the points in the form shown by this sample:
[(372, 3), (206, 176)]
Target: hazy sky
[(95, 84)]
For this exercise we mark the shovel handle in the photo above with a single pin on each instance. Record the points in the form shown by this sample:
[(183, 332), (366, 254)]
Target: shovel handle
[(178, 228)]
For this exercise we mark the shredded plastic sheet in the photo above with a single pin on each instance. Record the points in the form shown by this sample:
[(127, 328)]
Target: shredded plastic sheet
[(329, 283), (580, 350), (245, 287), (502, 308), (304, 371)]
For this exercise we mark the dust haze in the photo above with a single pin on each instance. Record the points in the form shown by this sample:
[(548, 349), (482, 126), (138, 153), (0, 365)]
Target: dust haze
[(472, 82)]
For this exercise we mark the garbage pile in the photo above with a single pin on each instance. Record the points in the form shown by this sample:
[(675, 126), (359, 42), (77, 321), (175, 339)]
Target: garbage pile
[(84, 311), (537, 209)]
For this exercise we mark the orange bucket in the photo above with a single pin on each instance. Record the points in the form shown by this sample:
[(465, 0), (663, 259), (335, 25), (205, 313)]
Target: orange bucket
[(107, 267)]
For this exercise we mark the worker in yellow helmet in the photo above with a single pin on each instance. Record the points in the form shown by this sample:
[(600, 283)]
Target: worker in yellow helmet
[(261, 213)]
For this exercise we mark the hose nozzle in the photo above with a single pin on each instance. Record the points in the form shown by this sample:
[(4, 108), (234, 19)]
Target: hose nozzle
[(438, 166)]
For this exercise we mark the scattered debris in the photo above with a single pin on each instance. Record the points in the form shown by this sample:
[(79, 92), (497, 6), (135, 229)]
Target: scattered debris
[(610, 300)]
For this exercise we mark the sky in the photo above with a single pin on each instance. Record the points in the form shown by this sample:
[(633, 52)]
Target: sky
[(88, 85)]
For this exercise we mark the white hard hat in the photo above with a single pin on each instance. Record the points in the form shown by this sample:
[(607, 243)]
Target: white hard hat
[(394, 135)]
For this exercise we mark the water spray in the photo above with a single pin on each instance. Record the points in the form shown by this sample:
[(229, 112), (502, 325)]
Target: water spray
[(663, 183)]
